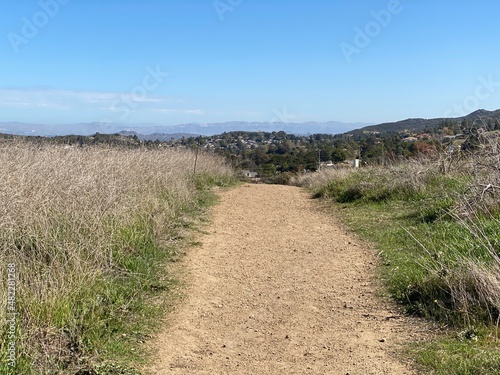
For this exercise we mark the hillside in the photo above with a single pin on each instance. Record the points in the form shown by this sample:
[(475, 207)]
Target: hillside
[(423, 125)]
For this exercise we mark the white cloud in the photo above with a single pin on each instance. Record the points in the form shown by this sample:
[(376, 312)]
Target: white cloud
[(74, 105), (68, 99)]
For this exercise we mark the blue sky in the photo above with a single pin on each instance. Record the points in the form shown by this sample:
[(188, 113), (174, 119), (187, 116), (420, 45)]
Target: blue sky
[(180, 61)]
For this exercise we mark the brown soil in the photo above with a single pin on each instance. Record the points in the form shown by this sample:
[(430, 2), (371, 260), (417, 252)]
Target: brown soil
[(279, 287)]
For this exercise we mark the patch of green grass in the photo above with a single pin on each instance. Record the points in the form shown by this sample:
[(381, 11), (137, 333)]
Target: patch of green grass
[(417, 256), (470, 352), (107, 318), (204, 183), (380, 185), (209, 180)]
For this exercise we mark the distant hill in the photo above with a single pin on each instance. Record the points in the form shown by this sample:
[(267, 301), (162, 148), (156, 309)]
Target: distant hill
[(422, 125), (166, 132), (157, 136)]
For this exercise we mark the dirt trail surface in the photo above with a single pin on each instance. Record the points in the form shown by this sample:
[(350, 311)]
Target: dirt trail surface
[(279, 287)]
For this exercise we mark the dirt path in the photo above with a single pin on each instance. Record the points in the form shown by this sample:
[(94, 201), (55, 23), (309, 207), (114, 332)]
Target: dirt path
[(278, 287)]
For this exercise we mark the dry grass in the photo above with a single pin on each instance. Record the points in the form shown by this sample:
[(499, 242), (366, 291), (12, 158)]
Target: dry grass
[(70, 217), (475, 283), (314, 181), (484, 167), (411, 172)]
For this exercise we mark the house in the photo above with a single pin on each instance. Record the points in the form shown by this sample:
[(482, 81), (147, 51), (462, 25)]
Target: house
[(328, 164), (410, 139), (249, 174)]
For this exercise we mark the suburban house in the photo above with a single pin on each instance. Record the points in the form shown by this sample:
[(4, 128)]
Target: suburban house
[(249, 174)]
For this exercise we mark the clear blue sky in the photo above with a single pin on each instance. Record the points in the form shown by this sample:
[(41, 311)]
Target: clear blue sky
[(92, 60)]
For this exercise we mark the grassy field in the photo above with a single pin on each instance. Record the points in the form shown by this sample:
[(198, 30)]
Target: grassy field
[(436, 223), (85, 235)]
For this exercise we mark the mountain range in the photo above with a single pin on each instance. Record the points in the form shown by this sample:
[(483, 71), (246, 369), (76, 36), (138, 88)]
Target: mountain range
[(167, 131), (150, 131)]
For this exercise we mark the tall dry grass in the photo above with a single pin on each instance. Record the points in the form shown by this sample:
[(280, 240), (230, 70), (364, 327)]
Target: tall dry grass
[(70, 217), (475, 282)]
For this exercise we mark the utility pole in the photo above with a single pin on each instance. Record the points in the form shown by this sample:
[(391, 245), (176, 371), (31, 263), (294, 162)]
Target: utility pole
[(319, 160), (196, 157), (383, 154), (357, 161)]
